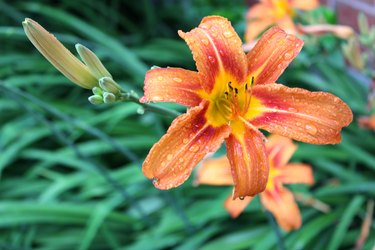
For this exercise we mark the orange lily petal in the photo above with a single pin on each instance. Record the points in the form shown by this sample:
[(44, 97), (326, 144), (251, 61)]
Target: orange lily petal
[(259, 18), (280, 149), (367, 122), (283, 206), (235, 207), (187, 141), (172, 85), (216, 48), (287, 25), (312, 117), (272, 54), (247, 156), (305, 5), (297, 173), (215, 172)]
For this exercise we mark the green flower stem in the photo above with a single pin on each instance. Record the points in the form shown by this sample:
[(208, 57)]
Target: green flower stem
[(132, 97)]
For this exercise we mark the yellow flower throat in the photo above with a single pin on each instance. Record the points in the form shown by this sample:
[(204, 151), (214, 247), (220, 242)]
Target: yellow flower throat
[(283, 8), (228, 102)]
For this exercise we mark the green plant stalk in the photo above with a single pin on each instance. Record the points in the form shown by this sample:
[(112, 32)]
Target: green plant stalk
[(131, 97)]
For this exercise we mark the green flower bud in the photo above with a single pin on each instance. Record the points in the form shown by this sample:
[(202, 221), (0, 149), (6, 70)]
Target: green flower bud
[(109, 97), (96, 99), (109, 85)]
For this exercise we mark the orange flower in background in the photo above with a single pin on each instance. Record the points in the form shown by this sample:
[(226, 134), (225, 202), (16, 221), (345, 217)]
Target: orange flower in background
[(270, 12), (367, 122), (277, 199), (232, 96)]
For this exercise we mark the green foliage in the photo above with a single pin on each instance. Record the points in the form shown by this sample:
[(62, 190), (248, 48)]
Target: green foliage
[(71, 172)]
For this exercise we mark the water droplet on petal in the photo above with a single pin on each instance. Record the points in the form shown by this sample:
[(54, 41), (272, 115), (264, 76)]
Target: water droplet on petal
[(204, 41), (288, 56), (157, 99), (228, 34), (176, 79), (194, 148), (155, 181), (298, 124), (160, 78), (291, 109), (181, 160), (169, 157), (241, 198), (311, 129), (211, 59), (185, 140)]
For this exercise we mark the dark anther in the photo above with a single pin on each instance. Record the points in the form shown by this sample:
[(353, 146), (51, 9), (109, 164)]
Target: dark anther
[(236, 90), (245, 86), (252, 80), (230, 85)]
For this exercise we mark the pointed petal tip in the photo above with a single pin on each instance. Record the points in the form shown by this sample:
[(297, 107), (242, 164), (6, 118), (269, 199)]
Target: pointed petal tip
[(188, 139)]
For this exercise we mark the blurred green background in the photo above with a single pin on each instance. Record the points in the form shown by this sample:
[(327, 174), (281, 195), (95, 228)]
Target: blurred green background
[(71, 172)]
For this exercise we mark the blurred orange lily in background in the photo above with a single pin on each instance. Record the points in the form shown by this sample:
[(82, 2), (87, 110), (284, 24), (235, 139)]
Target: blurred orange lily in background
[(367, 122), (277, 199), (232, 96), (274, 12)]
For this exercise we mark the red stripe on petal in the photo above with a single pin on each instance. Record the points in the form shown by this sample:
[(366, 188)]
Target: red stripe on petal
[(172, 85), (312, 117), (216, 49), (189, 138), (272, 54), (247, 155)]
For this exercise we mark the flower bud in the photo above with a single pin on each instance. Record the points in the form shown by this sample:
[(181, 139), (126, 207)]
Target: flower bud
[(109, 85), (92, 62), (58, 55), (96, 99), (109, 97), (97, 91)]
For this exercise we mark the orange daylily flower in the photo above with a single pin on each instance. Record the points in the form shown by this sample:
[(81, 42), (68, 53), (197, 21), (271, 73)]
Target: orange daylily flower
[(270, 12), (367, 122), (277, 199), (231, 96)]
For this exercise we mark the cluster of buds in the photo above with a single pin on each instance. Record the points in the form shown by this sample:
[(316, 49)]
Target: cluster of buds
[(89, 73)]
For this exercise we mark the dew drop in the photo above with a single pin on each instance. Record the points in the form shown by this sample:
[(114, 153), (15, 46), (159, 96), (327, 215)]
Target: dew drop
[(194, 148), (204, 41), (185, 140), (311, 129), (155, 181), (287, 56), (211, 59), (157, 99), (181, 160), (241, 198), (298, 124), (228, 34), (169, 157), (291, 109), (176, 79), (160, 78)]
